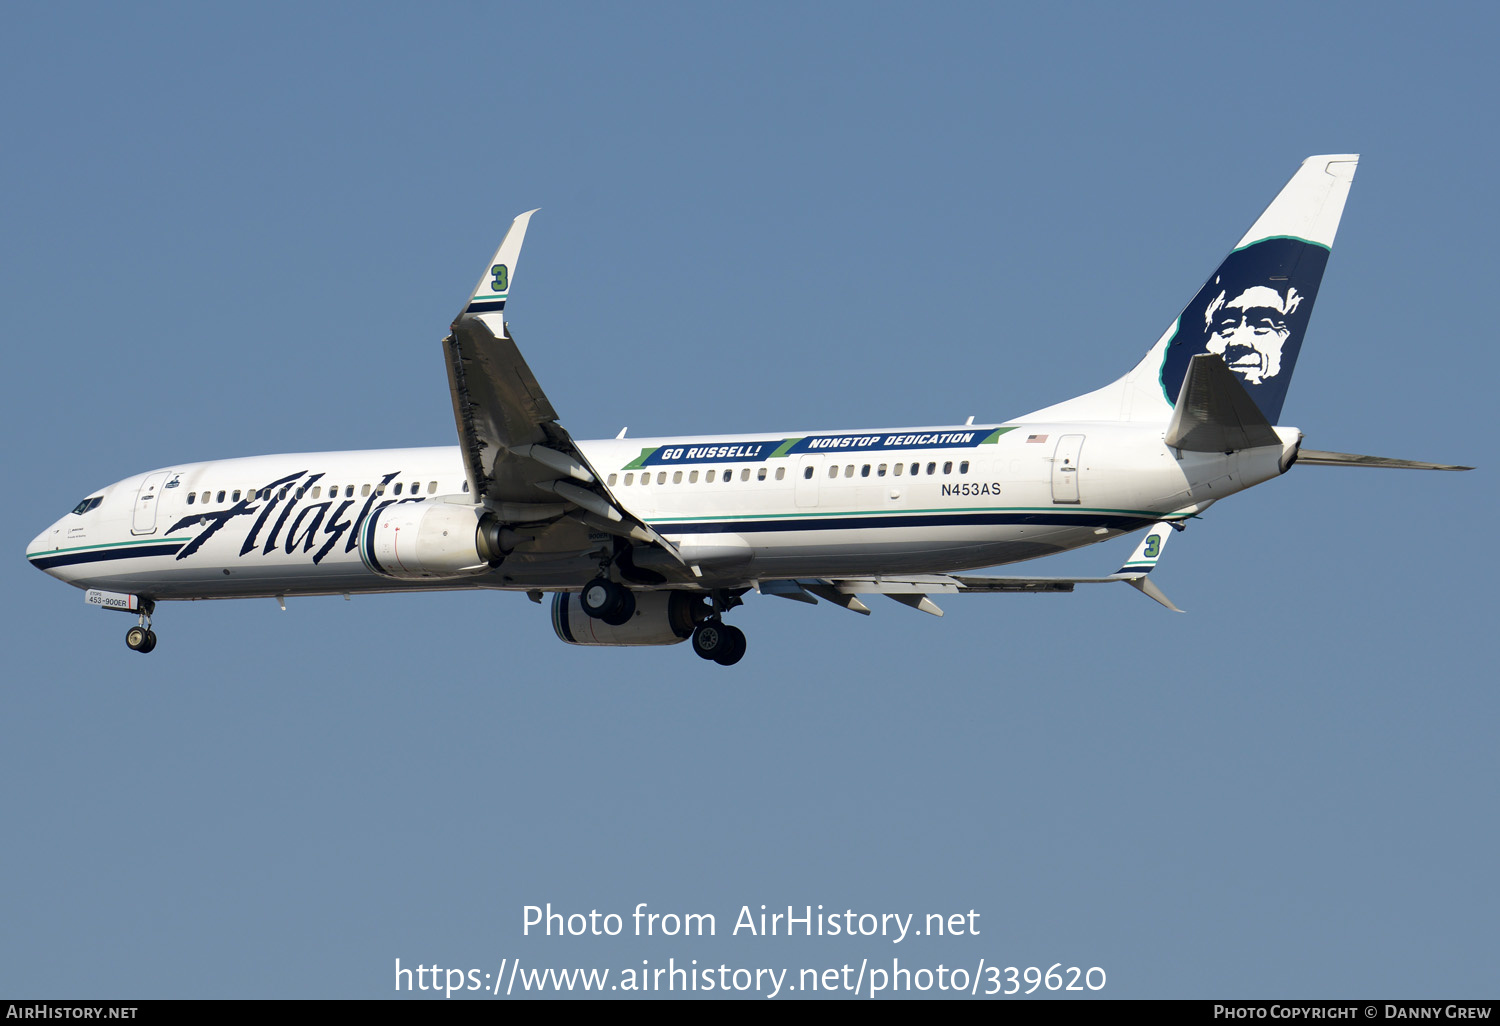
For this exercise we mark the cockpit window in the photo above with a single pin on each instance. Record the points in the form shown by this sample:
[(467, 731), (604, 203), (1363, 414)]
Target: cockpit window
[(88, 504)]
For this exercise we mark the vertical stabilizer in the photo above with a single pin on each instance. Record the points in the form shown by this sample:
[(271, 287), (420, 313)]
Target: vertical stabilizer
[(1252, 312)]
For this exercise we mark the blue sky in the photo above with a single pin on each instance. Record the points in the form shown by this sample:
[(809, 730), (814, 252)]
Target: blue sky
[(230, 232)]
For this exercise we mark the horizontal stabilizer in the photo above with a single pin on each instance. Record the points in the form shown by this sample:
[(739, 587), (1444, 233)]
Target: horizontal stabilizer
[(1319, 458), (1214, 412)]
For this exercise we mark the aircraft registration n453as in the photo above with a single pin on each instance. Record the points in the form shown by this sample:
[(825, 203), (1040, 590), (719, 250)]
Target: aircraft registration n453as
[(652, 541)]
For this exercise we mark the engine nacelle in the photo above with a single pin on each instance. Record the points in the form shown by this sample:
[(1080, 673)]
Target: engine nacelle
[(661, 618), (432, 540)]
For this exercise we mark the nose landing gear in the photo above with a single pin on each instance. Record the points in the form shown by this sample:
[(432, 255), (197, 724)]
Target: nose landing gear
[(141, 638)]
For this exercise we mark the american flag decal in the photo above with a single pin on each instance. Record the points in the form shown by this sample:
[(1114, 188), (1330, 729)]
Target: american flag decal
[(1036, 438)]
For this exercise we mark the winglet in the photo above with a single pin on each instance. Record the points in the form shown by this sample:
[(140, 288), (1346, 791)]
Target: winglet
[(1143, 561), (487, 301)]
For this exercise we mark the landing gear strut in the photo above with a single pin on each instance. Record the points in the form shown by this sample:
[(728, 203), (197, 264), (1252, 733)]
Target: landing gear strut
[(141, 638), (714, 639)]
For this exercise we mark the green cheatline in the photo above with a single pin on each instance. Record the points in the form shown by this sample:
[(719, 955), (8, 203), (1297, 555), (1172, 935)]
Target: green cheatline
[(1294, 238), (107, 545), (639, 461), (804, 514), (783, 447), (994, 436)]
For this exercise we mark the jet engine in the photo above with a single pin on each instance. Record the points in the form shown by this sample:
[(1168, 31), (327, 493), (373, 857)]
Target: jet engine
[(433, 539), (661, 618)]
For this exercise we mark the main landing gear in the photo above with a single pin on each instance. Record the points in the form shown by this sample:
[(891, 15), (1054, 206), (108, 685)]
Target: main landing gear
[(713, 639), (605, 600), (716, 640), (141, 638)]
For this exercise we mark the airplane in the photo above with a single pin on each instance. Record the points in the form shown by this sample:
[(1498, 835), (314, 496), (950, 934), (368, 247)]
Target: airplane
[(651, 541)]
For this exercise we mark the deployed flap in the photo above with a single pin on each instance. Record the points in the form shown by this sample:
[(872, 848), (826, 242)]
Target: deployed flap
[(1214, 412), (1133, 573), (1319, 458)]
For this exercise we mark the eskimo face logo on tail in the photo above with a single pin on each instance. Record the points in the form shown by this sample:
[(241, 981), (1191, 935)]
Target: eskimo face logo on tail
[(1252, 313), (1250, 330)]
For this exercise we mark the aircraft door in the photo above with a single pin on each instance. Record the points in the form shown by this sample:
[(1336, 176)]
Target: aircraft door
[(146, 501), (809, 469), (1065, 468)]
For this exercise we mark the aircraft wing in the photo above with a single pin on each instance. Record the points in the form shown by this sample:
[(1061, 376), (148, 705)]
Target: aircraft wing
[(518, 459), (915, 589)]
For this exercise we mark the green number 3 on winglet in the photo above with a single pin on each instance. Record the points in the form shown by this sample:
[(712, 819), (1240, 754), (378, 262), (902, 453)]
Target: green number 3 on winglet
[(502, 278), (1153, 547)]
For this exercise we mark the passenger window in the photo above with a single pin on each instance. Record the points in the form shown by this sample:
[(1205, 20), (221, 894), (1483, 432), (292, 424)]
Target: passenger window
[(963, 468), (366, 489), (629, 480), (807, 473), (760, 475), (864, 471), (932, 468), (833, 471), (236, 495), (692, 477), (85, 502), (745, 474), (849, 470), (709, 477), (398, 487), (466, 485), (612, 480), (349, 490), (221, 496), (948, 467), (780, 473), (916, 468), (898, 469), (880, 470), (431, 487), (728, 474), (317, 491)]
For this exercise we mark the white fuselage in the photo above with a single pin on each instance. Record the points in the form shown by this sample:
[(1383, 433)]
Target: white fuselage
[(743, 508)]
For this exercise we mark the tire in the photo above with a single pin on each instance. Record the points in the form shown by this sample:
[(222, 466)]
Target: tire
[(733, 647), (603, 599), (622, 615), (150, 641), (138, 639), (708, 639)]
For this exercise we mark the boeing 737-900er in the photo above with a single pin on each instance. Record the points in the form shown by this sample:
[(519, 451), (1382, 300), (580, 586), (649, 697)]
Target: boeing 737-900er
[(651, 541)]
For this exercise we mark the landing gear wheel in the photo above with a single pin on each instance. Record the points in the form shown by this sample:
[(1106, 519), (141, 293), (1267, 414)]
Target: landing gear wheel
[(734, 649), (140, 639), (605, 600), (720, 642)]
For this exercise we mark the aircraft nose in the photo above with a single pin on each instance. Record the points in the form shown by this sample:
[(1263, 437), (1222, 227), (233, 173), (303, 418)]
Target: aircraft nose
[(46, 542)]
